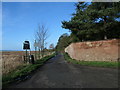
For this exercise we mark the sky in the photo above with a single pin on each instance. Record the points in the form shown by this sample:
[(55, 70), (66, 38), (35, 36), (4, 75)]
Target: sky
[(20, 21)]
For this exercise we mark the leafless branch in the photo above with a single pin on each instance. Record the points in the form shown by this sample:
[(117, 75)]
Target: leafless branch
[(41, 36)]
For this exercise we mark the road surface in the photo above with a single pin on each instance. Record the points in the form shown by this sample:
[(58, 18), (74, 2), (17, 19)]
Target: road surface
[(57, 73)]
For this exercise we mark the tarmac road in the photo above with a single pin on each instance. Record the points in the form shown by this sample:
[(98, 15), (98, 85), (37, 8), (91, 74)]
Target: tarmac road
[(57, 73)]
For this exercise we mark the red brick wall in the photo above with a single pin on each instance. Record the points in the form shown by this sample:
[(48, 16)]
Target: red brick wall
[(104, 50)]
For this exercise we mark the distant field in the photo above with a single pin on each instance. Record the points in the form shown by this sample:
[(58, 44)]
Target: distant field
[(15, 52), (13, 59)]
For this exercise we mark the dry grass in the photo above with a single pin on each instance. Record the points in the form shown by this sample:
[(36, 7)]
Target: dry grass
[(11, 60)]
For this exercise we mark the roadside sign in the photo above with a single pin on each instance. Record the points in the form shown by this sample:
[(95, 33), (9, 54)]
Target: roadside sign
[(37, 45), (26, 45)]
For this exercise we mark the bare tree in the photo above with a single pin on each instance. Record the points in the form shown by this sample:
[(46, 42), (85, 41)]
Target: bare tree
[(41, 37)]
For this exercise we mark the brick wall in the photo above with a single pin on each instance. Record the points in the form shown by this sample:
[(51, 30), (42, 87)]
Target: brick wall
[(104, 50)]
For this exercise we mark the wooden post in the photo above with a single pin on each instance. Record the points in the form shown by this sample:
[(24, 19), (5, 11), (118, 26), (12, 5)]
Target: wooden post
[(26, 56)]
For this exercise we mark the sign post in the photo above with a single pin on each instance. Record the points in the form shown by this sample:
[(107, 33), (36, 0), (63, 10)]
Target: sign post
[(26, 45)]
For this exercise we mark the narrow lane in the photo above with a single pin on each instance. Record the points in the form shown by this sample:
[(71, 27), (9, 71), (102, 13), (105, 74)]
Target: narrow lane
[(57, 73)]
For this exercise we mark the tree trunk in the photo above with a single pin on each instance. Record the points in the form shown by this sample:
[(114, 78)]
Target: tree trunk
[(39, 53), (105, 37), (105, 21)]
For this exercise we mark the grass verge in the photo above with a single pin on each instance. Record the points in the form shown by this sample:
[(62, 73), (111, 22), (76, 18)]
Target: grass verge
[(92, 63), (23, 71)]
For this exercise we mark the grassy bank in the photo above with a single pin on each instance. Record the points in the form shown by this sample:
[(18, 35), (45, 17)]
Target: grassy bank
[(23, 71), (92, 63)]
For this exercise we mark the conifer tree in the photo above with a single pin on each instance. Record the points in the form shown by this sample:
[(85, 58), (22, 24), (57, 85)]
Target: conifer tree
[(94, 21)]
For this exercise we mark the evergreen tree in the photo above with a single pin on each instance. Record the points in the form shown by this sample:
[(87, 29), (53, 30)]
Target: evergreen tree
[(77, 22), (95, 21), (104, 15), (63, 42)]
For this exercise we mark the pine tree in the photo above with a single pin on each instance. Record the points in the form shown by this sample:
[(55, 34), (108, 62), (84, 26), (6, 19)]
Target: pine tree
[(95, 21), (77, 22), (105, 14)]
